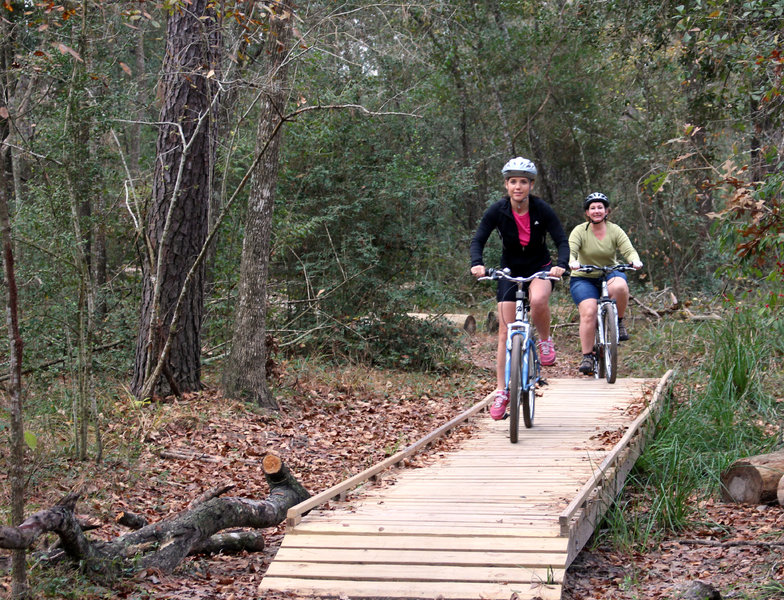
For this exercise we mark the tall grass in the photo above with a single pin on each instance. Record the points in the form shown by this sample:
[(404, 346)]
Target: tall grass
[(727, 410)]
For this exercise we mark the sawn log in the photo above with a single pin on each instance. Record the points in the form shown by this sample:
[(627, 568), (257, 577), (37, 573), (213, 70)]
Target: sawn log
[(754, 479)]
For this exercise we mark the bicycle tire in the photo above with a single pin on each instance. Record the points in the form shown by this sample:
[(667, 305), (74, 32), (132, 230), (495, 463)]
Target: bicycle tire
[(611, 343), (528, 399), (515, 387), (598, 353)]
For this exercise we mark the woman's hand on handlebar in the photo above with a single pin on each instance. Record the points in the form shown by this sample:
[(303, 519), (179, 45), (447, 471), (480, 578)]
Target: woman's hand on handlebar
[(557, 272), (574, 265), (637, 265), (478, 271)]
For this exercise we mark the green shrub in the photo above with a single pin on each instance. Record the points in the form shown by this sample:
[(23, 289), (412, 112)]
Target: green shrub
[(394, 341)]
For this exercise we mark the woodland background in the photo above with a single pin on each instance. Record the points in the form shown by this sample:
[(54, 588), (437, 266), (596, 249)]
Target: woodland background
[(200, 193)]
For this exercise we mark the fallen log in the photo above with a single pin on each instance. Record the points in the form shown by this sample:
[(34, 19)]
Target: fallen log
[(163, 545), (211, 493), (754, 479), (465, 322)]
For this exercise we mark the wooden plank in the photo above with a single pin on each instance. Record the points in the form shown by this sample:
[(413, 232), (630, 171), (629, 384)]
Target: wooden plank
[(541, 520), (501, 543), (362, 556), (426, 590), (423, 529), (397, 572)]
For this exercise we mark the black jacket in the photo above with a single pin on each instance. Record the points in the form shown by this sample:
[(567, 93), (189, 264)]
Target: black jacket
[(522, 261)]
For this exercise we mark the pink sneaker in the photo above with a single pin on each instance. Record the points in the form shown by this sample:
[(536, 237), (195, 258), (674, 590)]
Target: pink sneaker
[(498, 407), (547, 352)]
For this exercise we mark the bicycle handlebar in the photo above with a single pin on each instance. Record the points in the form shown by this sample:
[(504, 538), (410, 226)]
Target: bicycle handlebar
[(493, 274), (609, 269)]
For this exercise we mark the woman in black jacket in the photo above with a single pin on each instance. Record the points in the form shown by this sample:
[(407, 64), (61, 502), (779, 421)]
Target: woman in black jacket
[(523, 222)]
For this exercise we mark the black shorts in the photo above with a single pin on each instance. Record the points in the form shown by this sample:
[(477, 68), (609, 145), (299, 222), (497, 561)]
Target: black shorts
[(508, 289)]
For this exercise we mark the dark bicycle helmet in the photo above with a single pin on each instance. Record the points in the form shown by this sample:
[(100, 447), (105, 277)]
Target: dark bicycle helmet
[(519, 167), (596, 197)]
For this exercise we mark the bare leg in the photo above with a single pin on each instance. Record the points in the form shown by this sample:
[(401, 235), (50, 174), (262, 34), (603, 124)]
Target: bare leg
[(539, 291), (619, 291), (588, 309), (506, 312)]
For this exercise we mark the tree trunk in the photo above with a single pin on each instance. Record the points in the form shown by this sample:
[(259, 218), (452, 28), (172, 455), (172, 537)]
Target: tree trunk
[(177, 219), (753, 480), (20, 588), (163, 545), (245, 376)]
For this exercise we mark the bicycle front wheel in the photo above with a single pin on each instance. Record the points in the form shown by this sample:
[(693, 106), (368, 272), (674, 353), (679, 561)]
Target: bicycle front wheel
[(528, 399), (610, 316), (515, 387), (598, 354)]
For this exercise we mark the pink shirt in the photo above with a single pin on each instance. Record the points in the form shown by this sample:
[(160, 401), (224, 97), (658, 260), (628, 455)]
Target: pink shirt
[(523, 227)]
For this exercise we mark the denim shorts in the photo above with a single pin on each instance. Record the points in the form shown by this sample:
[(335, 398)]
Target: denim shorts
[(583, 288)]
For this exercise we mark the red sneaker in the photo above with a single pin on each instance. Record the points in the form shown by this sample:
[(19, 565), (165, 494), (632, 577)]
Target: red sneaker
[(498, 407), (547, 352)]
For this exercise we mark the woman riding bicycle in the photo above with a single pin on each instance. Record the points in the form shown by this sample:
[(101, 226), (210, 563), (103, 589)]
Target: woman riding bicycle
[(523, 222), (598, 242)]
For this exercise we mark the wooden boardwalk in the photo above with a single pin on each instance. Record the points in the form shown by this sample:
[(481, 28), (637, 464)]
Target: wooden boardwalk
[(489, 519)]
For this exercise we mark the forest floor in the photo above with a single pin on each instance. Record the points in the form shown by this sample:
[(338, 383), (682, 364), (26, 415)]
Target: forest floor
[(333, 424)]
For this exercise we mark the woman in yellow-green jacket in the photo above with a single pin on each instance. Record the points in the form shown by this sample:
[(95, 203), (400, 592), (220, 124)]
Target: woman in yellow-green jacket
[(598, 242)]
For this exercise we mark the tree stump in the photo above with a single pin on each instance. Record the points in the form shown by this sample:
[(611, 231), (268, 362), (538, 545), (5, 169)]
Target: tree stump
[(754, 479), (491, 325)]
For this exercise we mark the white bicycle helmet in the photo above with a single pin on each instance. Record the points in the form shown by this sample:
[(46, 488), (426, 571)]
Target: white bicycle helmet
[(519, 167), (596, 197)]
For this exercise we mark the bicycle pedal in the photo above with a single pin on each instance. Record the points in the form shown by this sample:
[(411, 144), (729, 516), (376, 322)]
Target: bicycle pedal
[(505, 417), (542, 382)]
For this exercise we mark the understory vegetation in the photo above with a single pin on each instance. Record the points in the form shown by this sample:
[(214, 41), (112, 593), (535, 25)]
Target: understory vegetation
[(727, 404)]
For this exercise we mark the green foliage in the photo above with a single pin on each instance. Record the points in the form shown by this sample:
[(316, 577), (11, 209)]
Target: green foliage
[(730, 411), (751, 229), (64, 583), (392, 341)]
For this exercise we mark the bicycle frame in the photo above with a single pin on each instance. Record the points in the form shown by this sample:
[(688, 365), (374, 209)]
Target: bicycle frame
[(603, 306), (521, 326)]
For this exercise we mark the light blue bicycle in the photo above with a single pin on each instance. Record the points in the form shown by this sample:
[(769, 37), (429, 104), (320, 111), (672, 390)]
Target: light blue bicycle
[(523, 372)]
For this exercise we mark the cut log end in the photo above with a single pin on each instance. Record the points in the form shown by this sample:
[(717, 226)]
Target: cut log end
[(742, 484), (271, 464), (753, 479)]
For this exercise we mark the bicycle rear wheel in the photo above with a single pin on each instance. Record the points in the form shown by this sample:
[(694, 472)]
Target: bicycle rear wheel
[(610, 316), (528, 399), (515, 387), (598, 355)]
